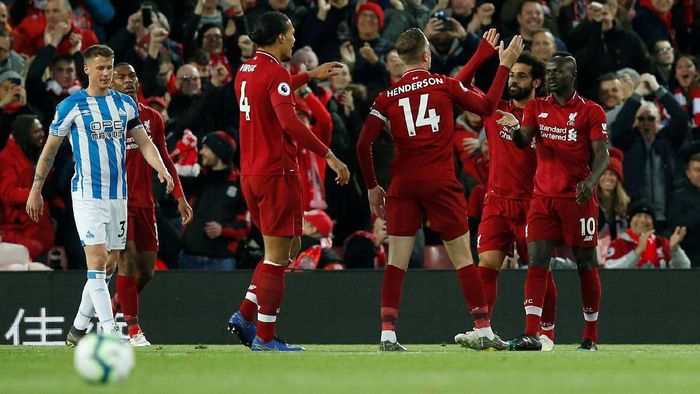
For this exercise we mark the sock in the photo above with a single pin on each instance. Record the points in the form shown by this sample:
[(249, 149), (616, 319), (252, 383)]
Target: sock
[(473, 294), (99, 294), (270, 292), (549, 308), (392, 287), (590, 295), (489, 281), (249, 306), (116, 305), (535, 289), (126, 289), (85, 311)]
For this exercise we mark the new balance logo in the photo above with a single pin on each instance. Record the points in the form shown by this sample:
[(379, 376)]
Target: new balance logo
[(543, 115), (588, 238), (122, 112), (89, 235)]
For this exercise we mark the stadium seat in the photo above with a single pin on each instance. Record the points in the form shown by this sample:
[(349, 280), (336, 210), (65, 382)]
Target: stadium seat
[(436, 258)]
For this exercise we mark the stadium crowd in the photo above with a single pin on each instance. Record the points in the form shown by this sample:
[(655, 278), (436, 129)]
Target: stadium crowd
[(637, 59)]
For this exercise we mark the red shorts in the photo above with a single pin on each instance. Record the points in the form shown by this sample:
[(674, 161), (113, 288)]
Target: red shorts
[(141, 228), (502, 225), (562, 219), (275, 203), (440, 201)]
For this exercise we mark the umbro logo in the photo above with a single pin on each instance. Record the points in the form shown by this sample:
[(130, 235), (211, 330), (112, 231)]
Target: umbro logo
[(86, 112), (122, 112), (543, 115)]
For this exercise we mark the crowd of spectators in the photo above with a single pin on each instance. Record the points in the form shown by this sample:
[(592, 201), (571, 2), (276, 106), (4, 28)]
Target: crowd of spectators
[(637, 59)]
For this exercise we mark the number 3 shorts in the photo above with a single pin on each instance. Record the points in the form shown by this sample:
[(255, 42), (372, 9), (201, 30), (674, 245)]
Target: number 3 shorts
[(101, 222)]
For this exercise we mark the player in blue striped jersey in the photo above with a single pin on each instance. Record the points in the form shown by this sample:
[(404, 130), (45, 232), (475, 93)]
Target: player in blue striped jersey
[(96, 121)]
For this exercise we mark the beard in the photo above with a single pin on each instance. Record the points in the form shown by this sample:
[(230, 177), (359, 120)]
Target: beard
[(519, 93)]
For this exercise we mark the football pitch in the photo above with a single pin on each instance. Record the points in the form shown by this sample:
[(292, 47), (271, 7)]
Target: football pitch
[(361, 369)]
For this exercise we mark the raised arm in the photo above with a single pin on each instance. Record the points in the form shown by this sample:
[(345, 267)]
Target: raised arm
[(487, 48), (473, 102), (35, 202), (520, 134)]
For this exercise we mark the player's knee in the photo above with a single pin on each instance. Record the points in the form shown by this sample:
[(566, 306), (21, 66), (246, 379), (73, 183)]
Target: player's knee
[(144, 276), (585, 259), (491, 260)]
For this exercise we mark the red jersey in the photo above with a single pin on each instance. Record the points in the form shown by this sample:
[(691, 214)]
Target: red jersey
[(419, 110), (269, 127), (512, 170), (139, 174), (563, 134)]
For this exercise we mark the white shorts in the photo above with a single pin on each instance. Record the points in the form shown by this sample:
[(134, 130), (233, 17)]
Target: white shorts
[(101, 222)]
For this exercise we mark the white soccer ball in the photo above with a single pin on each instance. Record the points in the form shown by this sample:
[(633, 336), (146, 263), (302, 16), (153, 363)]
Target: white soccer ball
[(103, 358)]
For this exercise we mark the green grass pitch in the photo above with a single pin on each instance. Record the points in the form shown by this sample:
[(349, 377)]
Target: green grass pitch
[(361, 369)]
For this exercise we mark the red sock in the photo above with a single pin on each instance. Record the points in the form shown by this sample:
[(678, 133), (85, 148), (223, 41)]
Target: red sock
[(489, 281), (270, 291), (249, 306), (590, 295), (535, 289), (473, 294), (392, 287), (129, 299), (549, 308)]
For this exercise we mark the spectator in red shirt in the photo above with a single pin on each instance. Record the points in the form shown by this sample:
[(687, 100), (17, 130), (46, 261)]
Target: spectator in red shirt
[(17, 163), (639, 247), (55, 19)]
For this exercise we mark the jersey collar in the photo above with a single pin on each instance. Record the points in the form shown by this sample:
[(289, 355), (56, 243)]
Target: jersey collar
[(415, 70), (260, 51), (572, 101)]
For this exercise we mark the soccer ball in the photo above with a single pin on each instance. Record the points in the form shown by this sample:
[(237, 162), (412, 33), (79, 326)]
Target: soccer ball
[(103, 358)]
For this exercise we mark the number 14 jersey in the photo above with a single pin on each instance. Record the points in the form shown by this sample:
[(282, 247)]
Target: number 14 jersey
[(419, 112)]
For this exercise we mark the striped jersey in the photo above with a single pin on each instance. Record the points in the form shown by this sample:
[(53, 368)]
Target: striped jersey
[(96, 127)]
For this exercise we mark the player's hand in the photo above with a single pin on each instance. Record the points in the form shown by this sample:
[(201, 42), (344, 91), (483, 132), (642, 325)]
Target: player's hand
[(491, 36), (342, 171), (213, 229), (325, 71), (35, 205), (677, 237), (509, 56), (377, 197), (507, 119), (164, 177), (584, 191), (185, 210)]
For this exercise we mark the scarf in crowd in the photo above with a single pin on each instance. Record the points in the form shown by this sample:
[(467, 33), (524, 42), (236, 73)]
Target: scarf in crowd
[(649, 254)]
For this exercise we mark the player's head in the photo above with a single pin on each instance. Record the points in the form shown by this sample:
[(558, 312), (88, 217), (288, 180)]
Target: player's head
[(413, 48), (99, 65), (560, 73), (125, 79), (525, 77), (274, 32)]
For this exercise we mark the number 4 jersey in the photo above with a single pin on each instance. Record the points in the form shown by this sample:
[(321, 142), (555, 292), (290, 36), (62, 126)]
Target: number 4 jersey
[(264, 88), (418, 110)]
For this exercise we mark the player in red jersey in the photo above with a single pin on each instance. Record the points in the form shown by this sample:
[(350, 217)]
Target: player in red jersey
[(136, 264), (419, 109), (269, 133), (510, 184), (569, 131)]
